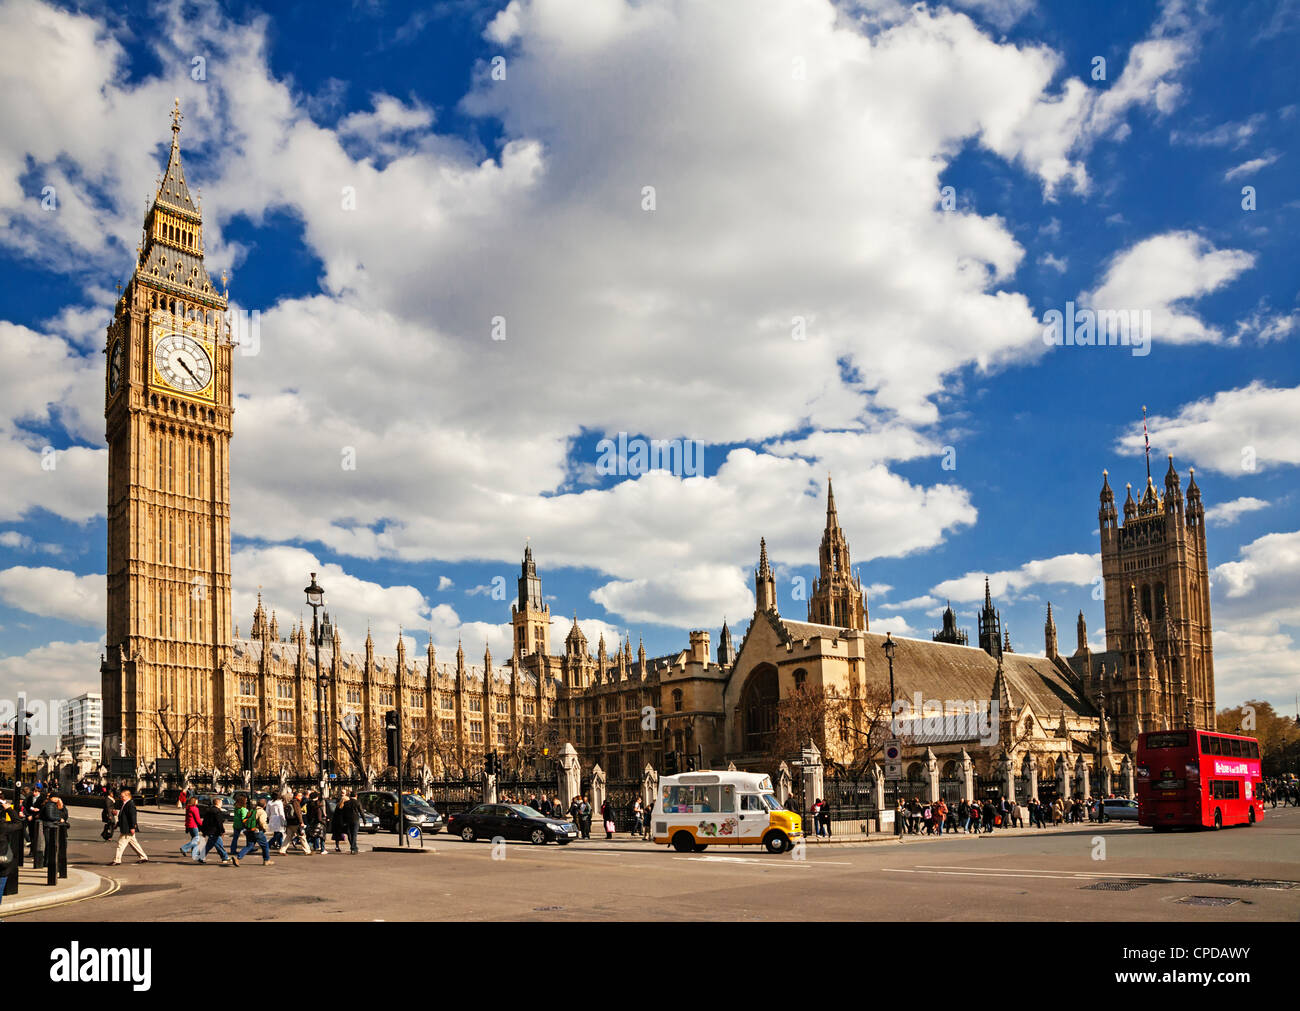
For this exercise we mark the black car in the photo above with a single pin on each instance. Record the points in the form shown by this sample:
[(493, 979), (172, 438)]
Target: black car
[(511, 821), (382, 804)]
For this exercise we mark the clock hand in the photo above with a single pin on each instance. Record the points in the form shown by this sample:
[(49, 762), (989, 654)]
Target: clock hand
[(181, 363)]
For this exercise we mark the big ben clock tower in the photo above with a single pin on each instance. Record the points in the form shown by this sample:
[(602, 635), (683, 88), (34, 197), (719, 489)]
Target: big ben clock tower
[(167, 408)]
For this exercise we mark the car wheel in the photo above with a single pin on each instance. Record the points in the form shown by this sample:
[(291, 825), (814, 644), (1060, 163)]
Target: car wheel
[(776, 842), (700, 847), (683, 842), (467, 833), (538, 837), (1218, 819)]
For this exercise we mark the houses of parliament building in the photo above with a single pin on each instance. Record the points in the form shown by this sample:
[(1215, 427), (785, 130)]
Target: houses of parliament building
[(179, 681)]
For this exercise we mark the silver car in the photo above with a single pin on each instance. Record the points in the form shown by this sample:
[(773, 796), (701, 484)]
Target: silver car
[(1119, 809)]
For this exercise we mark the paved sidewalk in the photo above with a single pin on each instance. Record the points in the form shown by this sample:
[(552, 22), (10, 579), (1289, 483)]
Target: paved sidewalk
[(34, 893)]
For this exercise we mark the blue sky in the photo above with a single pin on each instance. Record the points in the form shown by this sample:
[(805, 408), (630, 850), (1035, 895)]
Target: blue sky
[(799, 155)]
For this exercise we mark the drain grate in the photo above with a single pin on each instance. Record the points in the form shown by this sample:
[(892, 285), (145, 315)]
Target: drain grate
[(546, 909), (1207, 900), (1221, 879), (1114, 886)]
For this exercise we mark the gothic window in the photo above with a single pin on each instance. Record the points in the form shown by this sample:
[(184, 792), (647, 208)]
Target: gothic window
[(448, 728), (758, 708), (476, 704), (800, 678), (284, 721), (385, 696), (677, 700), (1160, 601), (502, 707), (1145, 594), (530, 708), (476, 731), (503, 730)]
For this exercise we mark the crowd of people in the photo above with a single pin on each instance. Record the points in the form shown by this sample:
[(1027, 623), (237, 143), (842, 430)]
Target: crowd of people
[(34, 825), (292, 821), (1285, 790), (912, 817)]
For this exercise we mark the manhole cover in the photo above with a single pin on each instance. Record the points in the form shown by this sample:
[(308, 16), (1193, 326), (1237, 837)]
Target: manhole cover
[(546, 909), (1114, 886), (1207, 900)]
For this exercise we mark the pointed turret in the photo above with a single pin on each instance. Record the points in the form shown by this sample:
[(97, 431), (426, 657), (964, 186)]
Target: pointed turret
[(726, 648), (764, 581), (1049, 634), (837, 597), (990, 625), (1130, 507), (1081, 630)]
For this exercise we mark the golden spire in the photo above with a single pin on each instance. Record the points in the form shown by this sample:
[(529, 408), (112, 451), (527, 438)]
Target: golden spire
[(176, 123)]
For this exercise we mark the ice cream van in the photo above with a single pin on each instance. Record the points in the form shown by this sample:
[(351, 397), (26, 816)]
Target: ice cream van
[(698, 809)]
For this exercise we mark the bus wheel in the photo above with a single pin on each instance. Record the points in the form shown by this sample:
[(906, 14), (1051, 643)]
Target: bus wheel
[(776, 842), (683, 842), (1218, 819)]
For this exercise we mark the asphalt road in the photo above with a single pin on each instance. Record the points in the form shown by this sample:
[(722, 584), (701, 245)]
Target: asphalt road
[(1115, 872)]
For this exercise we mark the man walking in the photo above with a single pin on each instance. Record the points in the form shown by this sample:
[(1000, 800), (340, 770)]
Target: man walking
[(128, 825), (213, 828), (255, 824)]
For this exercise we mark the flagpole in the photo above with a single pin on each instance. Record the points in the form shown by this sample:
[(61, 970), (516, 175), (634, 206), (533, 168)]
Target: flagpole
[(1147, 439)]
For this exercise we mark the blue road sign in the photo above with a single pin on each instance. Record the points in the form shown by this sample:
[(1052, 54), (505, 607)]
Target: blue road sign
[(414, 831)]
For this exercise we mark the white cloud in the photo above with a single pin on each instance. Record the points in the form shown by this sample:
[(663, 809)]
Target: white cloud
[(1227, 513), (444, 583), (1256, 652), (1162, 274), (925, 603), (1250, 167), (1072, 569), (1234, 432), (57, 670), (1058, 264), (601, 299), (54, 593)]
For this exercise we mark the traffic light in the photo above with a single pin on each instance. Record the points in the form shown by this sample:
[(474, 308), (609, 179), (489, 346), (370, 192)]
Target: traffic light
[(247, 752), (670, 763), (390, 737)]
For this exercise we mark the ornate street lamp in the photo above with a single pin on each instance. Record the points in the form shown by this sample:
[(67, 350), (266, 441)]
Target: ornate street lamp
[(316, 599), (889, 646)]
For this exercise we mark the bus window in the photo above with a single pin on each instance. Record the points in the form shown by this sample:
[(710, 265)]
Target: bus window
[(1254, 749), (1175, 739), (1205, 744), (1215, 746), (1234, 747)]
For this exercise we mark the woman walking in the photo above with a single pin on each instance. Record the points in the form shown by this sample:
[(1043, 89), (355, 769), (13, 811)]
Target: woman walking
[(275, 823), (607, 813), (193, 824)]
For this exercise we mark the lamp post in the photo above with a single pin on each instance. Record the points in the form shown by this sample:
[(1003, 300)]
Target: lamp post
[(1101, 743), (315, 598), (889, 646)]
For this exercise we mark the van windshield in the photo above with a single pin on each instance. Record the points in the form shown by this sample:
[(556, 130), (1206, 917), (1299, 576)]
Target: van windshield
[(771, 803)]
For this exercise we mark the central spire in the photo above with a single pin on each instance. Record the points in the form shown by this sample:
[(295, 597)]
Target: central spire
[(837, 597)]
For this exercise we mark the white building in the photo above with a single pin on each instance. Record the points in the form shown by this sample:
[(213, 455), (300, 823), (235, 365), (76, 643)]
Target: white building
[(81, 723)]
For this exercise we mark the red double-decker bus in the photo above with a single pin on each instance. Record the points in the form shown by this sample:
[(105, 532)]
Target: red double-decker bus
[(1197, 777)]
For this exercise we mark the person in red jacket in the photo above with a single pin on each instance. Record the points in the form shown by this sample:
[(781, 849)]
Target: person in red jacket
[(193, 825)]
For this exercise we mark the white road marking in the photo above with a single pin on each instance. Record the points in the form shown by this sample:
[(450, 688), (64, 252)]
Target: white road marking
[(983, 872)]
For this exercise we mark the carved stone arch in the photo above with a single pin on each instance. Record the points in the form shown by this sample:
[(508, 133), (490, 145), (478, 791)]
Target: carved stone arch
[(758, 708)]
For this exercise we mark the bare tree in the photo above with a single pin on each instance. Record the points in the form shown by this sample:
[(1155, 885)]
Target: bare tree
[(172, 741), (263, 745)]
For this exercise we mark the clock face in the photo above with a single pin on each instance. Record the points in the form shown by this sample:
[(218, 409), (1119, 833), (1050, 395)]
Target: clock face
[(183, 363), (115, 368)]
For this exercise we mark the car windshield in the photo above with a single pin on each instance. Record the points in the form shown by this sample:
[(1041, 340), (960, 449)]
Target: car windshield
[(417, 803), (526, 811), (771, 802)]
